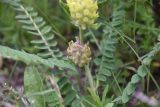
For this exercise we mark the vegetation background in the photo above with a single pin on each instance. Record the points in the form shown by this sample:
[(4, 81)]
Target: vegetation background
[(135, 24)]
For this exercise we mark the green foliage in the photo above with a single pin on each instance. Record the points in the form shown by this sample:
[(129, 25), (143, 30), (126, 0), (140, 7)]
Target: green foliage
[(108, 44), (109, 105), (51, 99), (36, 25), (33, 83), (130, 88), (71, 97), (141, 73), (93, 100), (34, 59), (10, 28), (50, 80), (68, 91), (35, 92)]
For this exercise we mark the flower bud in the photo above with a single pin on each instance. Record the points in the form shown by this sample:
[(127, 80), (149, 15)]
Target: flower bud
[(83, 12), (79, 53)]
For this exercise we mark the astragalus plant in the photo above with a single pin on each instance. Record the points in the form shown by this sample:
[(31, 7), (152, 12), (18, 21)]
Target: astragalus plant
[(88, 71)]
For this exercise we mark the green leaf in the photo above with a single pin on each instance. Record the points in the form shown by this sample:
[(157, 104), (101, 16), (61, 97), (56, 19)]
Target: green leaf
[(118, 99), (125, 96), (38, 19), (34, 59), (89, 100), (52, 99), (76, 103), (36, 26), (135, 78), (28, 27), (130, 88), (46, 29), (67, 90), (109, 105), (69, 98), (21, 16), (104, 94), (95, 97), (102, 77), (62, 63), (142, 71), (33, 84), (108, 44)]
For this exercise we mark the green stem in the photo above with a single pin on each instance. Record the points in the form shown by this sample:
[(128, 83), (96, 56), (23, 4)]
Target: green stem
[(143, 84), (80, 35), (148, 79), (135, 16), (116, 82), (13, 70), (56, 87), (89, 76), (93, 36), (155, 82)]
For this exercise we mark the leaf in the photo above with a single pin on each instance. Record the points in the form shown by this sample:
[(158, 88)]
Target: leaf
[(21, 17), (125, 96), (108, 45), (109, 105), (46, 29), (38, 19), (33, 83), (130, 88), (104, 94), (69, 98), (95, 97), (34, 59), (142, 71), (36, 26), (89, 100), (68, 91), (102, 77), (52, 99), (62, 63), (135, 79), (118, 99), (77, 102)]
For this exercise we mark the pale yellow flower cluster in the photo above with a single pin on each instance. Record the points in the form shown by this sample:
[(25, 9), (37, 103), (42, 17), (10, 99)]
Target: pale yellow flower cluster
[(83, 12)]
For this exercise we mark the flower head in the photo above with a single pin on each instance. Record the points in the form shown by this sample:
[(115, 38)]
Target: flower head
[(79, 53), (83, 12)]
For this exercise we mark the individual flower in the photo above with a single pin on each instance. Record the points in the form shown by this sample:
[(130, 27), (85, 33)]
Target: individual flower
[(83, 12), (79, 53)]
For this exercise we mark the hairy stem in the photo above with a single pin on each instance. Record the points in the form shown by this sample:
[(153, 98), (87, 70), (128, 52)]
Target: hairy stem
[(90, 79), (116, 82), (80, 35), (56, 87)]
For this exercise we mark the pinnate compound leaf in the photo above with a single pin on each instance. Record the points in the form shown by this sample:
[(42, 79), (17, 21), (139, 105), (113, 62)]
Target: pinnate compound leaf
[(27, 58)]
